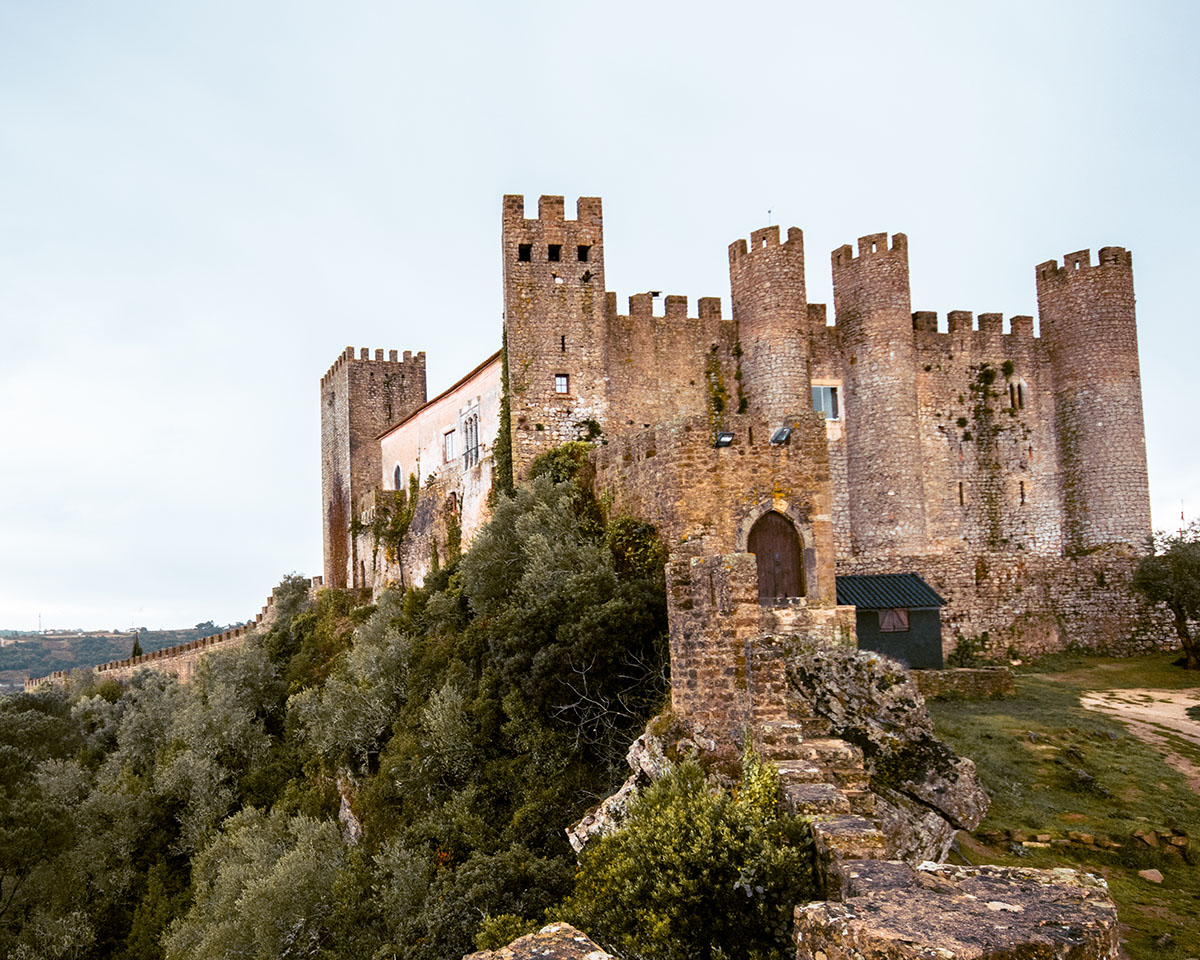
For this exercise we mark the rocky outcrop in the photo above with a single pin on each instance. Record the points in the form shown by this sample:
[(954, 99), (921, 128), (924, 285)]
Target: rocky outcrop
[(894, 911), (557, 941), (651, 756), (923, 791)]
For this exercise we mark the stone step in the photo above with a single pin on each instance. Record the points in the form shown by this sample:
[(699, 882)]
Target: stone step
[(811, 799), (792, 730), (799, 771), (841, 839), (834, 752), (848, 778), (862, 800)]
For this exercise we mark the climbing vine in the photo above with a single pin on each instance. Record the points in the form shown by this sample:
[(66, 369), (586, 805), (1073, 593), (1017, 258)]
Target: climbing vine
[(718, 395), (502, 464)]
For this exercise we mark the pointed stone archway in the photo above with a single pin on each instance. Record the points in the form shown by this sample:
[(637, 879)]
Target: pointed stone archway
[(780, 557)]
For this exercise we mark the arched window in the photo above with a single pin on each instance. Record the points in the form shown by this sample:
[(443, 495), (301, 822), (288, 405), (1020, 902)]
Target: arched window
[(776, 545), (397, 478)]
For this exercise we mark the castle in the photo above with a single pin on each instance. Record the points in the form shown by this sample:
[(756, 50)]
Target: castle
[(1008, 469)]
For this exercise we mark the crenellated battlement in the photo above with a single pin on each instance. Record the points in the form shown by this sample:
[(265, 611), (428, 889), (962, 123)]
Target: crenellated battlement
[(964, 321), (675, 307), (552, 209), (765, 242), (364, 356), (870, 247), (1080, 262)]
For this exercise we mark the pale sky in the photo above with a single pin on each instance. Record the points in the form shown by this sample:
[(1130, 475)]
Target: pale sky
[(202, 204)]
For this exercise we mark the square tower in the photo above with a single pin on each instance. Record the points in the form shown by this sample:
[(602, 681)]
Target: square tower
[(554, 306), (360, 399)]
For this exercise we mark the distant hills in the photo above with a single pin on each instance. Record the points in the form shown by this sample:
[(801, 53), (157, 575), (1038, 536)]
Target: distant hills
[(37, 654)]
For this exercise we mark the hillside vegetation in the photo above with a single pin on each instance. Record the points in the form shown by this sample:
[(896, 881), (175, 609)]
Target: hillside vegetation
[(457, 728)]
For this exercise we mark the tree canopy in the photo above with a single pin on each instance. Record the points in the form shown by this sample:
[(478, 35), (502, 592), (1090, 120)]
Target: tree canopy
[(1170, 574)]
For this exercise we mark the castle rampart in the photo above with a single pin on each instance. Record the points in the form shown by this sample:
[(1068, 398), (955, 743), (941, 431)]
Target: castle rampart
[(180, 660)]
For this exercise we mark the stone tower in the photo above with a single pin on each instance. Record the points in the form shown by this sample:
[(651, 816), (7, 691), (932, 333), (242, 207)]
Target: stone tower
[(360, 398), (554, 307), (770, 309), (883, 450), (1089, 326)]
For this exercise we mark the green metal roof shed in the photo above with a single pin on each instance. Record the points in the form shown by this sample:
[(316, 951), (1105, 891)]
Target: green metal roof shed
[(898, 615)]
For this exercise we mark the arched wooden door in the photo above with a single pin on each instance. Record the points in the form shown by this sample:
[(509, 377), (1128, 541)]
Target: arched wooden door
[(774, 541)]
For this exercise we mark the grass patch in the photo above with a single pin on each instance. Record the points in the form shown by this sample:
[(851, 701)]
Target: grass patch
[(1052, 767)]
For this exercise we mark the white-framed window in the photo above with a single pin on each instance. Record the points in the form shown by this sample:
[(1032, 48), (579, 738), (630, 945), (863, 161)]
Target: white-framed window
[(448, 447), (562, 383), (825, 401)]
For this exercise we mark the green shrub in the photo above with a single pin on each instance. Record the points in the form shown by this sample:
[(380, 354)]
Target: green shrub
[(695, 874)]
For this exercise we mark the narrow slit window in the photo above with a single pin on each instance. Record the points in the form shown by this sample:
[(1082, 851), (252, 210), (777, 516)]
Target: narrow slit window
[(554, 252), (562, 383), (961, 501), (1022, 482), (583, 252), (1021, 395), (525, 252), (562, 344), (397, 478)]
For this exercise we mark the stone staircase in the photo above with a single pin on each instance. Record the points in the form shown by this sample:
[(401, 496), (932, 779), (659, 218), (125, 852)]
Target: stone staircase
[(824, 777), (876, 908)]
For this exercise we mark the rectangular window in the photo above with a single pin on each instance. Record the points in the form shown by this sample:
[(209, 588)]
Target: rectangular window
[(825, 402), (448, 447), (893, 621), (554, 252), (525, 252), (562, 383), (583, 253)]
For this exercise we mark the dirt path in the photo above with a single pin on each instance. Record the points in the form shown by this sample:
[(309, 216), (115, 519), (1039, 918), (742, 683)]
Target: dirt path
[(1160, 718)]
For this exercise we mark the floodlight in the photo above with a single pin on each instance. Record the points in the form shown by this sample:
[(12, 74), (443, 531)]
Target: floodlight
[(780, 436), (723, 440)]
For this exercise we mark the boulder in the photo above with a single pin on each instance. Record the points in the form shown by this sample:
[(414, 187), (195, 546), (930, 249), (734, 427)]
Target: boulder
[(556, 941), (649, 760)]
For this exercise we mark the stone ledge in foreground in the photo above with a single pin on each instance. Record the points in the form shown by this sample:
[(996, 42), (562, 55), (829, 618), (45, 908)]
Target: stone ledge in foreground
[(948, 912)]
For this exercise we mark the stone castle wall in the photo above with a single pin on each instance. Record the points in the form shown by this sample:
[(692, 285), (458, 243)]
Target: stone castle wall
[(954, 450), (180, 660), (1010, 603)]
